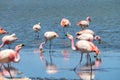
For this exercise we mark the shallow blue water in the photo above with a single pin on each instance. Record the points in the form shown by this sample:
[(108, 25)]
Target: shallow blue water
[(18, 16)]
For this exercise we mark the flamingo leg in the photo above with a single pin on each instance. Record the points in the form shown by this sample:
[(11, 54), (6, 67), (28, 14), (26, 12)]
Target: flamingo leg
[(1, 66), (50, 46), (9, 71), (90, 66), (79, 61), (38, 34), (8, 46)]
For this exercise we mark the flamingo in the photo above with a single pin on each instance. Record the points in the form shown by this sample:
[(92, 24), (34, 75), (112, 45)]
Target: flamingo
[(49, 35), (8, 39), (83, 46), (88, 31), (2, 31), (10, 55), (37, 28), (89, 37), (84, 23), (65, 23)]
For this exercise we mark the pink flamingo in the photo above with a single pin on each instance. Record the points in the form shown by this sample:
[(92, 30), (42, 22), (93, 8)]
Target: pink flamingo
[(10, 55), (65, 23), (37, 28), (84, 23), (2, 31), (88, 31), (89, 37), (8, 39), (49, 35), (83, 46)]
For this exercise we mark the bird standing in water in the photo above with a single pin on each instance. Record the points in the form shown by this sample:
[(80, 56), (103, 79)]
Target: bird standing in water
[(88, 31), (49, 35), (84, 23), (8, 39), (37, 28), (65, 23), (88, 35), (83, 46), (10, 55)]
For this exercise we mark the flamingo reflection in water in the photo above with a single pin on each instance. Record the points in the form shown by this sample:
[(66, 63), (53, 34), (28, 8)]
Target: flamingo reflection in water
[(50, 67), (14, 72), (65, 54), (85, 73)]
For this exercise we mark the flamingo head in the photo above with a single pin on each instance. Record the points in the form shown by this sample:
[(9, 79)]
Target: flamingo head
[(2, 31), (98, 38), (55, 34), (69, 36), (88, 19), (18, 47)]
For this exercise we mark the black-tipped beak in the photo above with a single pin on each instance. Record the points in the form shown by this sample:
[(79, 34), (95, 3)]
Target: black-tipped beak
[(66, 35), (41, 50), (21, 45)]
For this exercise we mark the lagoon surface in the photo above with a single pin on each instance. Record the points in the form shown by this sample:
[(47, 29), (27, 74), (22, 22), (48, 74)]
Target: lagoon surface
[(19, 16)]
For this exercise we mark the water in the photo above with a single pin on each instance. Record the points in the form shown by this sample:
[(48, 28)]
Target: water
[(18, 16)]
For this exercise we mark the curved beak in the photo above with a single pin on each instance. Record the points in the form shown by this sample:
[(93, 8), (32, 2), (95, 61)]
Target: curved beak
[(21, 45)]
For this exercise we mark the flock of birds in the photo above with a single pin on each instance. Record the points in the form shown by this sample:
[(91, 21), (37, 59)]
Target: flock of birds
[(85, 41)]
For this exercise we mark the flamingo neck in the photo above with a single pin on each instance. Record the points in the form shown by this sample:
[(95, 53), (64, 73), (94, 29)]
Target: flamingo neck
[(17, 58), (72, 44), (97, 38), (17, 50), (2, 45), (42, 44), (14, 57)]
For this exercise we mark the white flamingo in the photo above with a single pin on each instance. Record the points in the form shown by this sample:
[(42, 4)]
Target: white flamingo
[(37, 28), (84, 23), (88, 31), (10, 55), (88, 37), (49, 35)]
